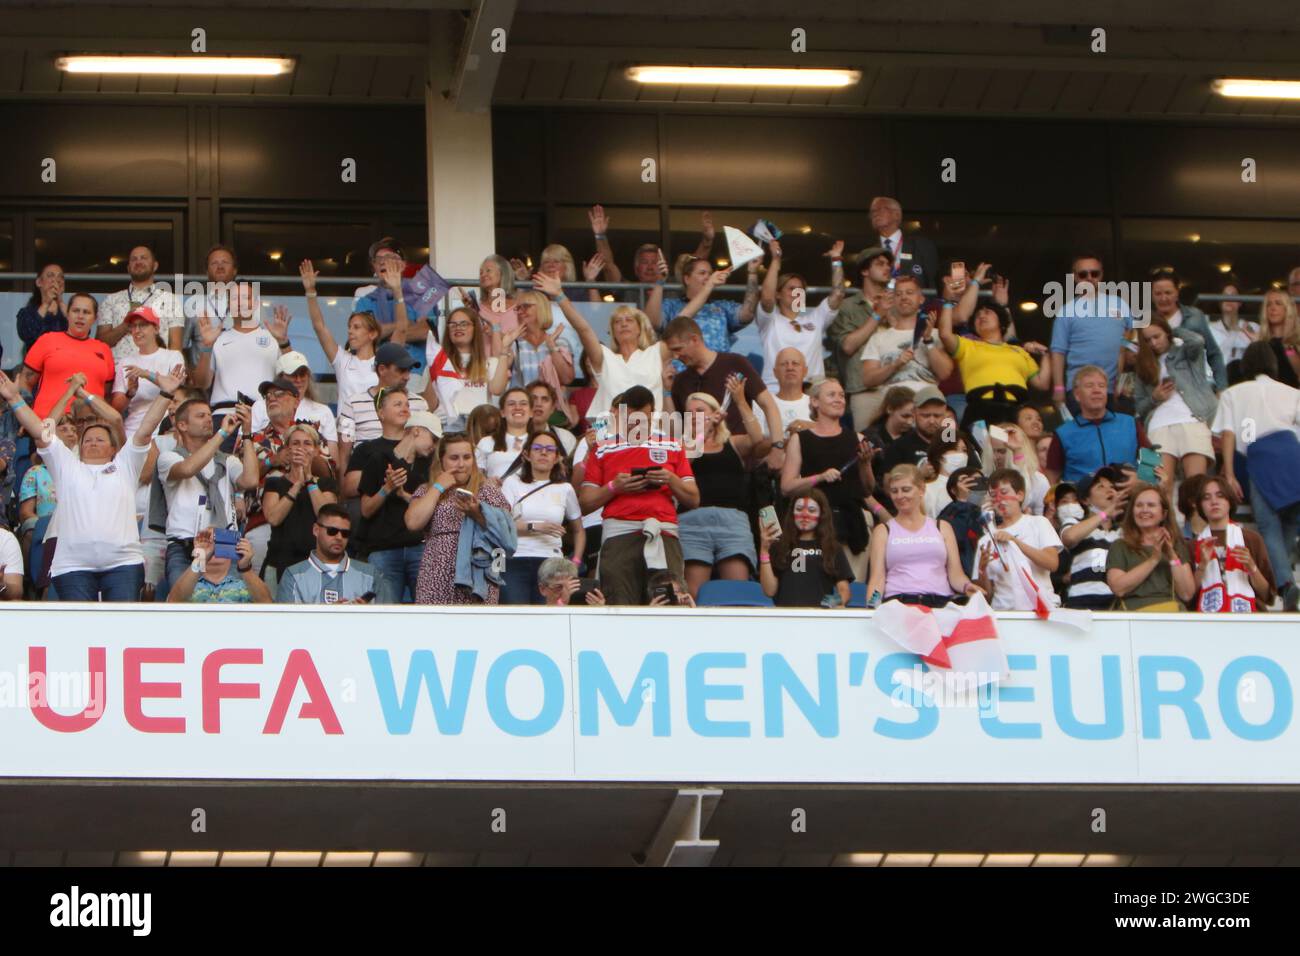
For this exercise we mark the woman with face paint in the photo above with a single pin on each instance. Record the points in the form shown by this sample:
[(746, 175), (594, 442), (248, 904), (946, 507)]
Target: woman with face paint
[(805, 563), (914, 558)]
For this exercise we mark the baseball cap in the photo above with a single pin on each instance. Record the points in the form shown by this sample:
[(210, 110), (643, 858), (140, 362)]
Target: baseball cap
[(1109, 472), (390, 353), (290, 362), (869, 253), (928, 394), (282, 383), (144, 314), (426, 420)]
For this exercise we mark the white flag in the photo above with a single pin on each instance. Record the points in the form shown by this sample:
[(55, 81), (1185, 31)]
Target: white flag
[(740, 247)]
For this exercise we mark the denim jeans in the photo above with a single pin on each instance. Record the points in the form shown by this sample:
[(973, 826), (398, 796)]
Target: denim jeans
[(1279, 530), (115, 584), (178, 557), (400, 567), (521, 582)]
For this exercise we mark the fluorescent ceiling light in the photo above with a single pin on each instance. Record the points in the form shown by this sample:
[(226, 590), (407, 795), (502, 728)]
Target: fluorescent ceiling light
[(742, 76), (177, 65), (1258, 89)]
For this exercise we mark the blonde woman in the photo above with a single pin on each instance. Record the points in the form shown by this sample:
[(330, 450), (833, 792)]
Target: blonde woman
[(636, 358), (291, 496), (914, 557), (716, 534), (534, 350), (1019, 454), (492, 304), (461, 369), (1279, 326)]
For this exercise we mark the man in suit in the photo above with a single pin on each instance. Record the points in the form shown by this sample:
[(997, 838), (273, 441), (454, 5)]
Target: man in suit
[(912, 255)]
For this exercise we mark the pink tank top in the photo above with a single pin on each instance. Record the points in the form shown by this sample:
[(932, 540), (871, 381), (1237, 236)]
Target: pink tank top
[(916, 562)]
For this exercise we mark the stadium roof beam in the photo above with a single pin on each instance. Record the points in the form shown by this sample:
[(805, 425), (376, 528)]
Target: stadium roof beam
[(679, 840), (481, 51)]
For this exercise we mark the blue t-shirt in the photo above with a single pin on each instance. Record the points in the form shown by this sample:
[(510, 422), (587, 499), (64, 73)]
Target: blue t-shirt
[(1091, 331), (719, 320)]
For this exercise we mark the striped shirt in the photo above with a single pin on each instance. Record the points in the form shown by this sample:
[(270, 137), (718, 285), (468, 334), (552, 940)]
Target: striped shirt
[(358, 419), (1088, 587)]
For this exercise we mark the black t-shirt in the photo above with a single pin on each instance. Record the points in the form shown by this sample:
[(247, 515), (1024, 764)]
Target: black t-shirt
[(292, 539), (364, 452), (387, 529), (807, 587), (713, 381), (908, 448)]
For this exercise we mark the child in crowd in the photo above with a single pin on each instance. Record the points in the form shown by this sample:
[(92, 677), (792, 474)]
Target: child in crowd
[(805, 563), (1018, 555)]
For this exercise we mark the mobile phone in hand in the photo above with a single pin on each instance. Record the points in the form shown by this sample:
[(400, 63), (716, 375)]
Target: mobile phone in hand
[(368, 597), (667, 592), (244, 399), (464, 493), (958, 271), (767, 518), (225, 542)]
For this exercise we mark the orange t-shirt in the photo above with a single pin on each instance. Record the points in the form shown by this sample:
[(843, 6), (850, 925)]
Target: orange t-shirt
[(57, 356)]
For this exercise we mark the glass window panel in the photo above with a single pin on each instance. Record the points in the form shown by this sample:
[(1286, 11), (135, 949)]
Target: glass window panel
[(102, 245), (275, 248), (1204, 251)]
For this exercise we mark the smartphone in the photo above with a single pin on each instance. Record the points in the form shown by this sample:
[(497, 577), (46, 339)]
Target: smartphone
[(244, 399), (464, 492), (998, 434), (958, 271), (585, 587), (981, 483), (767, 518), (368, 597), (225, 544), (667, 592), (1148, 459)]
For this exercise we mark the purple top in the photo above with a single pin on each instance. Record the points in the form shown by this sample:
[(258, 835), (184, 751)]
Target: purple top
[(916, 562)]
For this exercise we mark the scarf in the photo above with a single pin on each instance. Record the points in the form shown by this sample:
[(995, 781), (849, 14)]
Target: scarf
[(1226, 588)]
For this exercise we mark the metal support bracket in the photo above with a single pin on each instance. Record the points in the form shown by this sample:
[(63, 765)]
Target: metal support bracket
[(678, 841)]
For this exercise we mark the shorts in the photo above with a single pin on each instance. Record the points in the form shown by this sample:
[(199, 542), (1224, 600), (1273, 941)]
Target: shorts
[(1192, 438), (711, 534)]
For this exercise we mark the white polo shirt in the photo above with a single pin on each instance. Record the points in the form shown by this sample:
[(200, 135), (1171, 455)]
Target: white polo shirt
[(11, 555), (96, 513), (1266, 402), (241, 362)]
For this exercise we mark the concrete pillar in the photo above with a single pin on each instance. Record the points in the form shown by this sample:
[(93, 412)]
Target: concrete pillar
[(462, 216)]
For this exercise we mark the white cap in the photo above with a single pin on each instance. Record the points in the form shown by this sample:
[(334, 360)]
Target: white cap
[(426, 420), (290, 362)]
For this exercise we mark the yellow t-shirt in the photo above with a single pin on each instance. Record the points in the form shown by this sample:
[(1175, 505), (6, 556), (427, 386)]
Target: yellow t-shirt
[(983, 364)]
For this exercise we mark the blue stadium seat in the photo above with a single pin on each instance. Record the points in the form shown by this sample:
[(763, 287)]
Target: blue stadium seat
[(756, 360), (857, 594), (732, 594)]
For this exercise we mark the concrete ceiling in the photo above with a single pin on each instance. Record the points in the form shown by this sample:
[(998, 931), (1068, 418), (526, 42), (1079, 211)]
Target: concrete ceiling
[(1020, 58)]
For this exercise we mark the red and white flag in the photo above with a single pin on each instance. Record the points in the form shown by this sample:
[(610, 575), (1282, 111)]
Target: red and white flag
[(960, 638)]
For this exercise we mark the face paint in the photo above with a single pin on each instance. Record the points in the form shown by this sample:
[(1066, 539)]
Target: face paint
[(807, 513)]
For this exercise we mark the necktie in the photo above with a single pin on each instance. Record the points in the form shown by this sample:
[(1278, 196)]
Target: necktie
[(889, 248)]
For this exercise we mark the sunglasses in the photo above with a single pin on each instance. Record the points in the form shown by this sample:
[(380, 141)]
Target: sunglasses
[(335, 532), (1088, 274)]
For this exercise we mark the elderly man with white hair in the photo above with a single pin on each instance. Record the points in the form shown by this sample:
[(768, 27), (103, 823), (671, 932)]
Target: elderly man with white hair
[(911, 255)]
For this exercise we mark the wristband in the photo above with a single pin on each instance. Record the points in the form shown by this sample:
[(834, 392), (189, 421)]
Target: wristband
[(285, 346), (612, 489), (312, 486), (815, 479), (310, 295), (876, 507), (660, 281), (577, 562), (439, 488), (1175, 562), (383, 492), (205, 350), (764, 559), (561, 298), (948, 303), (166, 394), (223, 433), (1058, 388), (598, 236), (1103, 516), (837, 263), (18, 403)]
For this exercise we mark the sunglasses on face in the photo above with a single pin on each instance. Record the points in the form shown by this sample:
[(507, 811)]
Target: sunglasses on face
[(336, 532)]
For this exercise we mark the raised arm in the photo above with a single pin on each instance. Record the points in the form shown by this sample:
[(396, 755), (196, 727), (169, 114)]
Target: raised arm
[(323, 334), (27, 418), (707, 234), (767, 297), (157, 410), (697, 302), (836, 255), (553, 289), (600, 232), (209, 331), (749, 307), (390, 274)]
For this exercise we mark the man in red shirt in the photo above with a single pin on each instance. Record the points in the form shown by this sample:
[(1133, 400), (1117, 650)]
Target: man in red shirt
[(635, 476), (57, 356)]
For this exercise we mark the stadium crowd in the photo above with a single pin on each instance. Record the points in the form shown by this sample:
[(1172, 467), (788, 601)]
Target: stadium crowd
[(893, 445)]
